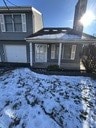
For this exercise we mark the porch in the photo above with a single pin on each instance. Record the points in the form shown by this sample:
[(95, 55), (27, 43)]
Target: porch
[(65, 55), (59, 46)]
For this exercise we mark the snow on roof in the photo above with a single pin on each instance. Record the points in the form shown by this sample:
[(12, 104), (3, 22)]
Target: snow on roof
[(55, 33), (57, 36)]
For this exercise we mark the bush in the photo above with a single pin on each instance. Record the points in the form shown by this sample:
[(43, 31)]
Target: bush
[(89, 58), (53, 68)]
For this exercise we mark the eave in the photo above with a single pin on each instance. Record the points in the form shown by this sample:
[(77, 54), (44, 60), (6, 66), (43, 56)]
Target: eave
[(78, 41)]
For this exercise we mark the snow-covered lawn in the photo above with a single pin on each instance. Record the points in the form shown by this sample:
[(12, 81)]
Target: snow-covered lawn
[(30, 100)]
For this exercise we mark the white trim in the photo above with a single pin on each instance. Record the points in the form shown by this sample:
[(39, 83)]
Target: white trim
[(73, 51), (35, 10), (2, 22), (59, 57), (23, 18), (31, 59), (33, 22), (23, 21)]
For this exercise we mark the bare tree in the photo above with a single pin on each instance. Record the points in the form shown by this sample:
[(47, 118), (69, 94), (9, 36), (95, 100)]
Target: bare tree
[(89, 57)]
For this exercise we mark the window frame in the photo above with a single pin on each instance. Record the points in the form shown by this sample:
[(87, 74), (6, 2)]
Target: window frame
[(8, 23), (23, 24), (17, 23), (63, 52), (72, 52), (55, 52)]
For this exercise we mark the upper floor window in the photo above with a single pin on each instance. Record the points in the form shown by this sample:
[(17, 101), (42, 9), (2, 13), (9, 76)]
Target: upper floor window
[(13, 22)]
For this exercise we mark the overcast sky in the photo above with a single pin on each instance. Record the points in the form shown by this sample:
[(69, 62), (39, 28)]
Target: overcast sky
[(57, 13)]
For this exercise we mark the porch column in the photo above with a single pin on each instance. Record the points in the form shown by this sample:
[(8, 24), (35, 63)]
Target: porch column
[(60, 51), (31, 59)]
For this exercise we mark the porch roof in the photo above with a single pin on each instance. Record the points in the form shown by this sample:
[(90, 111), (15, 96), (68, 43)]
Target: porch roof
[(56, 35)]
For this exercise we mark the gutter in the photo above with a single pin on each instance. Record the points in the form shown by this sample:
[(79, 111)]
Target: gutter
[(61, 41)]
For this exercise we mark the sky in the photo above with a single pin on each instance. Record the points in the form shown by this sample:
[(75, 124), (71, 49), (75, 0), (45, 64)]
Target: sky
[(57, 13)]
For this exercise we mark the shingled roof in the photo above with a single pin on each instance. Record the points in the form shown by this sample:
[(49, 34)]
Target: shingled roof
[(49, 31), (59, 33)]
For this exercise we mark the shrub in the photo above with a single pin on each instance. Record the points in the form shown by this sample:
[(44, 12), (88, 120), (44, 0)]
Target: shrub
[(53, 68), (89, 57)]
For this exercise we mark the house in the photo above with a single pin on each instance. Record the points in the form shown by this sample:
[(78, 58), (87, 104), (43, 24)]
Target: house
[(16, 23), (23, 40), (57, 46), (60, 46)]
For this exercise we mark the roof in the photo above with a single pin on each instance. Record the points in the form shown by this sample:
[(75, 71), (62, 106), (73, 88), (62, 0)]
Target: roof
[(46, 32), (18, 9), (58, 34)]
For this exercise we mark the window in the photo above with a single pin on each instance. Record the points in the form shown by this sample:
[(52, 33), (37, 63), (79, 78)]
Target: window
[(54, 51), (13, 23), (17, 23), (8, 23), (68, 52)]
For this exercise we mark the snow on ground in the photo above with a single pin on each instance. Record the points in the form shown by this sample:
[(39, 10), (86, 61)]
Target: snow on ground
[(30, 100)]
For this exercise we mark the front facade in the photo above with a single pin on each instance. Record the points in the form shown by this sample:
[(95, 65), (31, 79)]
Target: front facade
[(44, 46), (16, 23)]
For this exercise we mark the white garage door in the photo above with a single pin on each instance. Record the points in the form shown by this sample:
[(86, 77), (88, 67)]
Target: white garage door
[(16, 53)]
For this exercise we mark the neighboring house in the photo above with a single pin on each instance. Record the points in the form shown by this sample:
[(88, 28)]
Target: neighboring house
[(16, 23), (59, 46)]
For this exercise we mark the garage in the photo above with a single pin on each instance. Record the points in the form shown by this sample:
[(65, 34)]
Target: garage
[(16, 53)]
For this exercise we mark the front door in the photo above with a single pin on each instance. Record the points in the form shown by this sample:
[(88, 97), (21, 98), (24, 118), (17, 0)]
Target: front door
[(40, 52)]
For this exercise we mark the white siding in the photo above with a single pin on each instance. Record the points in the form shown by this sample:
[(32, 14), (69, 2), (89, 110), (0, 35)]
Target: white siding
[(37, 20)]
